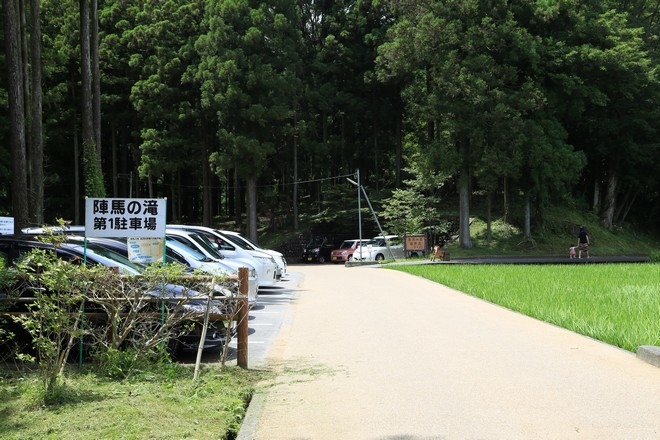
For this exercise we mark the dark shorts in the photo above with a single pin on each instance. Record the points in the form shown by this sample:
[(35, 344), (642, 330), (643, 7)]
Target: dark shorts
[(583, 246)]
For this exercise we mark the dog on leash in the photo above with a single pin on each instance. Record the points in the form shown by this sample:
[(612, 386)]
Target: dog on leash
[(438, 253)]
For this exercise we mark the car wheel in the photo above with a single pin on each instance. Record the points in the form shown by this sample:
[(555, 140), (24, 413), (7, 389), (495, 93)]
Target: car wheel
[(380, 257), (414, 255), (350, 258), (321, 259)]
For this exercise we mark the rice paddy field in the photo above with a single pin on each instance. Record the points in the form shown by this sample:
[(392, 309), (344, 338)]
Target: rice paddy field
[(616, 303)]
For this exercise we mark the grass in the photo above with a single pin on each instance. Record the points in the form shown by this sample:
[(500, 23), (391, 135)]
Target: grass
[(559, 232), (160, 404), (616, 303)]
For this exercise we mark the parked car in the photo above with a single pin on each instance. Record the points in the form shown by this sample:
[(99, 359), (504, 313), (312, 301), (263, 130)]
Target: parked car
[(380, 248), (13, 247), (319, 249), (262, 262), (345, 251), (248, 244), (177, 252)]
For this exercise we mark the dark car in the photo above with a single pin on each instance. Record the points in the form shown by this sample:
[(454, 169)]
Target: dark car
[(319, 249), (12, 248)]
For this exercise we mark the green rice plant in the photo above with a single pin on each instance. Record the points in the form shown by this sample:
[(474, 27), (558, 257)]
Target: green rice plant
[(616, 303)]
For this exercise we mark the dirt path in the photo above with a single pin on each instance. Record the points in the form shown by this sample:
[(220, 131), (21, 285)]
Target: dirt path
[(398, 357)]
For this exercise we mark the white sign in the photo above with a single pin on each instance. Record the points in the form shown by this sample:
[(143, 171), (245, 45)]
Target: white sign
[(125, 217), (6, 225), (145, 250)]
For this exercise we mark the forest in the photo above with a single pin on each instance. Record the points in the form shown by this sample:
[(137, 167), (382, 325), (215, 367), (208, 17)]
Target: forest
[(252, 110)]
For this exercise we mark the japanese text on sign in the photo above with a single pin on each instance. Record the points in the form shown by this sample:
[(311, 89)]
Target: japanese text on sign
[(125, 217), (415, 242)]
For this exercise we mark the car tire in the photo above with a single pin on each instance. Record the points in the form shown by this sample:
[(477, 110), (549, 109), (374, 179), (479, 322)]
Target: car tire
[(321, 259), (413, 255), (380, 257), (350, 258)]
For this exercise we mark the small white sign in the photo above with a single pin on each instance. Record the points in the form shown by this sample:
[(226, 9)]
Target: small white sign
[(143, 218), (145, 250), (6, 225)]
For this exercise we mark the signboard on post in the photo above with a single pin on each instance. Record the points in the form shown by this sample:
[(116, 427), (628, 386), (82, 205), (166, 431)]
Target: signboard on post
[(143, 218), (6, 225), (415, 242), (145, 250)]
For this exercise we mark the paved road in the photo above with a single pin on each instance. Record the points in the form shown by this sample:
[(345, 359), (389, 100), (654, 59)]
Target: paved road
[(369, 353)]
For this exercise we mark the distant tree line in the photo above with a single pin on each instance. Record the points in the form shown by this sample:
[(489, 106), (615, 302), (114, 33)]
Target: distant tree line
[(246, 109)]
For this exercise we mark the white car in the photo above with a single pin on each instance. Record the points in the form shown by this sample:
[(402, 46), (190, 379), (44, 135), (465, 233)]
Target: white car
[(197, 260), (180, 253), (249, 245), (379, 248), (262, 262)]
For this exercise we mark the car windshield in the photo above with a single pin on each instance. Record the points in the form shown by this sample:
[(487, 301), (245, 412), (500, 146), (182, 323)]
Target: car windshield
[(187, 250), (376, 242), (248, 241), (347, 244), (240, 242), (206, 244), (316, 241), (113, 259)]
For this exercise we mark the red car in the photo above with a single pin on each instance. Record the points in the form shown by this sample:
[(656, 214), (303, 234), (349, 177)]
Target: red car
[(345, 251)]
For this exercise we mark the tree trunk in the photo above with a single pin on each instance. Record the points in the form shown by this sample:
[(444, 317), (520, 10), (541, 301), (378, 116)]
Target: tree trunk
[(252, 208), (527, 224), (237, 200), (623, 207), (596, 202), (86, 73), (37, 156), (295, 182), (19, 195), (610, 199), (96, 76), (489, 220), (94, 186), (506, 215), (464, 198), (624, 212), (207, 199), (76, 158)]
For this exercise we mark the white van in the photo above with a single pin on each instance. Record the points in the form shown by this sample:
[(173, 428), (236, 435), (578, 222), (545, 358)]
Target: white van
[(379, 248)]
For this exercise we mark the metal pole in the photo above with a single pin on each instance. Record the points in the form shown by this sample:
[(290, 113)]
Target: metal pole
[(387, 243), (357, 173)]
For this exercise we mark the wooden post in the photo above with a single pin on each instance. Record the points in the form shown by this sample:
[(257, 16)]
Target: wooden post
[(242, 355)]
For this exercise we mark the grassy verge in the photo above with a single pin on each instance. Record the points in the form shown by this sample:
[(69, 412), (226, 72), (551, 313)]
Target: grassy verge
[(554, 240), (615, 303), (160, 404)]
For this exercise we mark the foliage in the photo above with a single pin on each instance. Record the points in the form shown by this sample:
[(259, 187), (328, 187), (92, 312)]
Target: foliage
[(54, 319), (417, 207), (203, 100)]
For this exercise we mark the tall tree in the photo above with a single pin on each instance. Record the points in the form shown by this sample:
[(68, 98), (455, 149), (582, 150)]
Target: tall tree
[(16, 115), (36, 113), (94, 185), (246, 78)]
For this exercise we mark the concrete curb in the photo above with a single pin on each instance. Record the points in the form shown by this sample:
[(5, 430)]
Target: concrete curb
[(252, 416), (650, 354)]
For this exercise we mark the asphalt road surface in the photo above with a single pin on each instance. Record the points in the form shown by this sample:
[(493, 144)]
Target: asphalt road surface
[(370, 353)]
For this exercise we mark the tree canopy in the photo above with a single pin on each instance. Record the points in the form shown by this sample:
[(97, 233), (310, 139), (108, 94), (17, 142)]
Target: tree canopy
[(251, 109)]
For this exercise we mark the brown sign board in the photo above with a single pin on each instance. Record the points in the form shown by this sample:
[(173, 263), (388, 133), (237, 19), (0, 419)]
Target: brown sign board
[(415, 242)]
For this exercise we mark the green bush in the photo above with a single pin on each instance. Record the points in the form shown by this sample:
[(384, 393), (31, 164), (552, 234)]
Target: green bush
[(654, 257)]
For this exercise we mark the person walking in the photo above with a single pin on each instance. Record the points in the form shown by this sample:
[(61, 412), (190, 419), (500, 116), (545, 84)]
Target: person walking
[(583, 242)]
